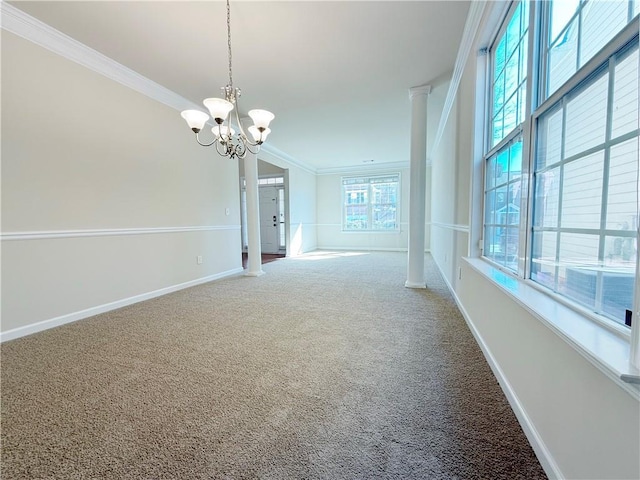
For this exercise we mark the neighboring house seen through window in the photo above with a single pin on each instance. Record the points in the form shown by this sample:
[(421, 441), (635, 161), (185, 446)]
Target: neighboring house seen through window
[(370, 203)]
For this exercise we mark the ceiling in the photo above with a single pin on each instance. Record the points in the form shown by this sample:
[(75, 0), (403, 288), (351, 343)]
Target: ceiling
[(336, 74)]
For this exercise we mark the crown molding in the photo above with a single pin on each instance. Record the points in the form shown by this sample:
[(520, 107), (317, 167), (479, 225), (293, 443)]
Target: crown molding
[(286, 158), (476, 9), (363, 168), (25, 26)]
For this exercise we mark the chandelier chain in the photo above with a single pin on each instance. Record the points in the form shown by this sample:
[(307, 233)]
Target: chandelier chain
[(229, 43)]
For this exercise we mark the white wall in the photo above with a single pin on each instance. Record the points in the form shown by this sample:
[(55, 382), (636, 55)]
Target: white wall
[(330, 234), (582, 424), (101, 166)]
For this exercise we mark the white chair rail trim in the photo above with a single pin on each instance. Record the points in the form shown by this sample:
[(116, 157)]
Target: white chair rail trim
[(45, 235)]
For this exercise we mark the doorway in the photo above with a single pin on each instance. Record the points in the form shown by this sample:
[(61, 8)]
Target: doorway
[(269, 231), (272, 206)]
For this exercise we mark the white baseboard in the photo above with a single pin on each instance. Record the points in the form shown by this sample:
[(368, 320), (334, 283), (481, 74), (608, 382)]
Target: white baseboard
[(542, 452), (89, 312)]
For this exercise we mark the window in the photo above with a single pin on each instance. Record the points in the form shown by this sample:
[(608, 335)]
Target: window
[(503, 162), (581, 210), (370, 203), (502, 204), (577, 30), (586, 190)]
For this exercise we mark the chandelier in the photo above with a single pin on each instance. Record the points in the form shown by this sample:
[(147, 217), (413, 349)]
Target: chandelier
[(226, 141)]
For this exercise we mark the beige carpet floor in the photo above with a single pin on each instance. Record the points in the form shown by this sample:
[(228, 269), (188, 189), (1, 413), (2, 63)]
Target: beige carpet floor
[(325, 367)]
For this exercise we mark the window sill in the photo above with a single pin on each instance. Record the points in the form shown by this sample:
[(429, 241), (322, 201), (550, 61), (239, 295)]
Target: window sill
[(606, 350)]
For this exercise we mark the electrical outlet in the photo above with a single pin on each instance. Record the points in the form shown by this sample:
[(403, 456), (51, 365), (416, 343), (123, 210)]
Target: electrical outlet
[(227, 211), (199, 259)]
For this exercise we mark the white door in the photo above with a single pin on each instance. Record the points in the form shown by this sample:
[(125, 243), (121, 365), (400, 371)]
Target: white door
[(269, 219)]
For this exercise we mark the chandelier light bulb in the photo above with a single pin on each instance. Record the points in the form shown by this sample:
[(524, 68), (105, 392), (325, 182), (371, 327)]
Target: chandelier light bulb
[(261, 118), (223, 131), (218, 108), (195, 119), (259, 136)]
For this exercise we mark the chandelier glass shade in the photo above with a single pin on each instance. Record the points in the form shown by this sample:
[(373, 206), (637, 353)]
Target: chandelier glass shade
[(226, 141)]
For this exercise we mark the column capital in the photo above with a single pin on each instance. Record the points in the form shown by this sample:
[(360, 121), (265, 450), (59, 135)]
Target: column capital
[(421, 90)]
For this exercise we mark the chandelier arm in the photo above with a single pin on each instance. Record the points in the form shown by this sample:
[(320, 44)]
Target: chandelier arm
[(242, 135), (225, 152), (254, 145), (205, 144), (245, 138)]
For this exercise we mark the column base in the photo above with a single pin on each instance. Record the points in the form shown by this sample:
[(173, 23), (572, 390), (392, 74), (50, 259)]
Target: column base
[(409, 284), (254, 274)]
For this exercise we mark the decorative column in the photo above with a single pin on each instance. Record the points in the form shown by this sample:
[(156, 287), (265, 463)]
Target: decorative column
[(254, 253), (417, 186)]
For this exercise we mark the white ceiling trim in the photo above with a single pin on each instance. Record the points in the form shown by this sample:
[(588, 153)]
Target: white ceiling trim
[(23, 25), (470, 29), (33, 30), (271, 150), (369, 168)]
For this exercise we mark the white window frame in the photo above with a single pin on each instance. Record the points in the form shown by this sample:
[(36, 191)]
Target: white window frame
[(520, 130), (612, 348), (396, 229)]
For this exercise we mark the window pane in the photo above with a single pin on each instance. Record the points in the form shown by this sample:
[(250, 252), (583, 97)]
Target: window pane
[(582, 192), (502, 205), (622, 207), (513, 31), (543, 268), (490, 208), (523, 58), (498, 92), (561, 13), (617, 293), (578, 252), (500, 57), (510, 111), (620, 252), (575, 279), (356, 217), (579, 284), (587, 31), (549, 139), (384, 217), (562, 57), (497, 129), (502, 167), (490, 174), (547, 198), (587, 118), (625, 95), (492, 248), (601, 20), (509, 72), (509, 243), (522, 103), (515, 161)]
